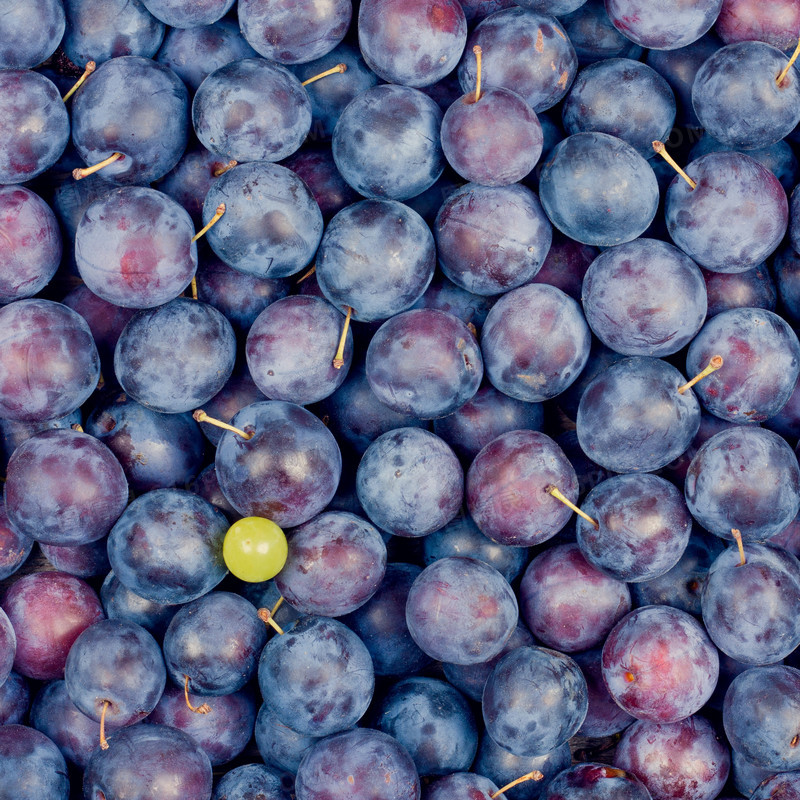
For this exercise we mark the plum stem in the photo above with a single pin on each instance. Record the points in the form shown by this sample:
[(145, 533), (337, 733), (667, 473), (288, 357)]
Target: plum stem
[(785, 70), (103, 741), (193, 286), (85, 172), (265, 615), (201, 416), (211, 223), (308, 273), (338, 359), (613, 772), (91, 66), (479, 69), (533, 775), (713, 365), (556, 492), (221, 169), (332, 71), (795, 740), (661, 150), (76, 426), (737, 537), (204, 708)]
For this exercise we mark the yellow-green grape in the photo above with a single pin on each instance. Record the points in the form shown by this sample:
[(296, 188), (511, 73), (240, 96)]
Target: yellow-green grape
[(255, 549)]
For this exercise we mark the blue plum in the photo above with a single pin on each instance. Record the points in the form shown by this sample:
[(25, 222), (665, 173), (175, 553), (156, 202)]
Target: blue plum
[(672, 25), (26, 45), (594, 781), (250, 780), (32, 765), (278, 745), (188, 13)]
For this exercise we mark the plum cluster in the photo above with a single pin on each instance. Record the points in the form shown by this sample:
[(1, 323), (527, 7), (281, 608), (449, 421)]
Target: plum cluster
[(399, 400)]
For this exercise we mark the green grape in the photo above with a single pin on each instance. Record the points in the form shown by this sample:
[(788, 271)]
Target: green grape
[(255, 549)]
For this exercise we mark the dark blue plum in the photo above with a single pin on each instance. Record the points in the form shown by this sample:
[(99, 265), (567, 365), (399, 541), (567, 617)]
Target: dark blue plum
[(278, 745), (317, 677), (506, 488), (376, 257), (29, 102), (752, 610), (194, 53), (492, 239), (461, 537), (644, 298), (297, 32), (32, 765), (424, 362), (188, 13), (381, 624), (483, 418), (82, 560), (786, 269), (644, 527), (760, 714), (683, 759), (315, 165), (433, 721), (659, 664), (80, 488), (632, 418), (604, 717), (583, 175), (744, 20), (223, 733), (217, 659), (566, 265), (15, 546), (145, 359), (115, 671), (476, 10), (682, 586), (167, 546), (148, 126), (357, 417), (98, 30), (121, 603), (291, 348), (754, 288), (8, 646), (287, 471), (15, 699), (330, 97), (251, 110), (567, 602), (25, 45), (336, 562), (410, 482), (386, 142), (271, 226), (32, 250), (411, 42), (786, 784), (461, 784), (738, 100), (361, 762), (146, 756), (745, 478), (249, 781), (534, 701), (622, 97), (535, 342), (461, 610), (494, 140), (671, 25), (156, 451), (733, 218), (471, 678), (594, 36), (525, 51), (133, 248), (55, 715), (594, 781)]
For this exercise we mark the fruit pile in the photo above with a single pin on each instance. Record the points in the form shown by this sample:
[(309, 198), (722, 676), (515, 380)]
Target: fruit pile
[(399, 400)]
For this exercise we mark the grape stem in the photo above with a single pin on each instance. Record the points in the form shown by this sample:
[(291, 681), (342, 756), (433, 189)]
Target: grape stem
[(661, 150), (533, 775), (201, 416), (85, 172), (91, 66), (338, 359), (785, 70), (556, 492), (204, 708), (713, 365), (332, 71)]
